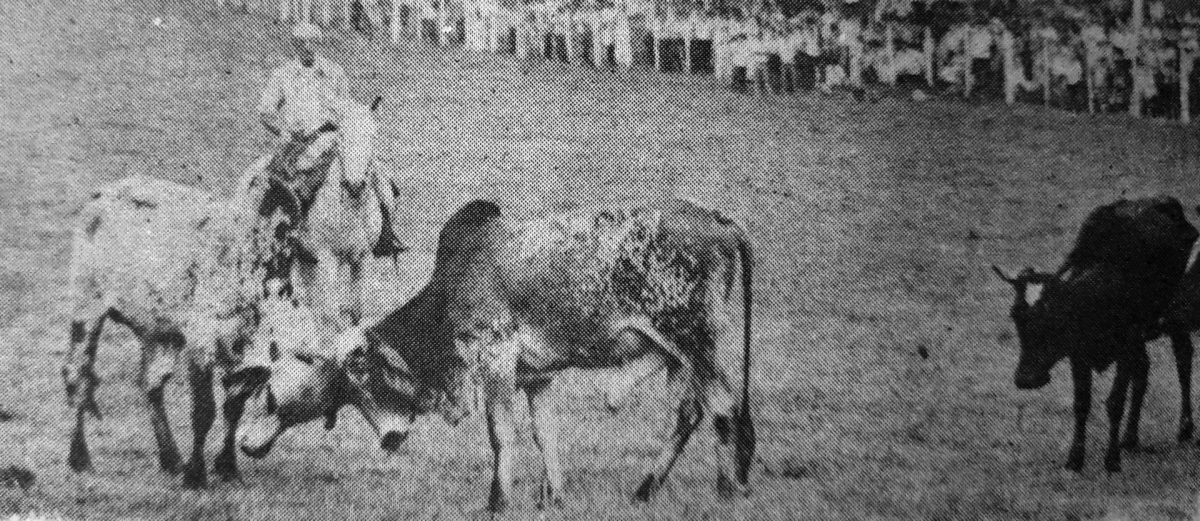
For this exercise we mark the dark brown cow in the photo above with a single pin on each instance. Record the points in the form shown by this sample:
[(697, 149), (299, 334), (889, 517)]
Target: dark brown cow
[(511, 304), (1101, 306)]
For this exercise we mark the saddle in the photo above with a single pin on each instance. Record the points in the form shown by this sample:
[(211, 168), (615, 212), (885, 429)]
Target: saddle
[(289, 188), (293, 191)]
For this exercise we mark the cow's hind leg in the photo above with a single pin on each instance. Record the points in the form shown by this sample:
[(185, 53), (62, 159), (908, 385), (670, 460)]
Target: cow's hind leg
[(502, 435), (80, 381), (1181, 344), (204, 411), (545, 436), (1139, 374), (156, 370), (689, 414), (725, 415)]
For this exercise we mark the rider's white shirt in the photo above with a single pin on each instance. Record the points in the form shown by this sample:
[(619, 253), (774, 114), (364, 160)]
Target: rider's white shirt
[(305, 97)]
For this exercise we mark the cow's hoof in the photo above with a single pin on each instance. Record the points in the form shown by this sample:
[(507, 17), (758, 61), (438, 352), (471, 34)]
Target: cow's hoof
[(168, 461), (548, 497), (496, 500), (1075, 460), (84, 465), (195, 478), (729, 489), (1112, 463), (496, 505), (1185, 431), (647, 489), (79, 462), (78, 458), (225, 468), (227, 475)]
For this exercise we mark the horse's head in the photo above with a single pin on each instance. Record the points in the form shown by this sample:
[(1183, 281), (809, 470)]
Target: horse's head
[(352, 142)]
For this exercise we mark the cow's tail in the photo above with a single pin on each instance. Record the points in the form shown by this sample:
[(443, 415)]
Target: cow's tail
[(745, 439)]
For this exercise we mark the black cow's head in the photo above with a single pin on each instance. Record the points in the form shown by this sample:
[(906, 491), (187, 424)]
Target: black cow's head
[(389, 394), (1037, 326)]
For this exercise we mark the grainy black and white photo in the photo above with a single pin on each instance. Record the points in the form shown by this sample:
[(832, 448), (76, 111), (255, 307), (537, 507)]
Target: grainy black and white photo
[(599, 259)]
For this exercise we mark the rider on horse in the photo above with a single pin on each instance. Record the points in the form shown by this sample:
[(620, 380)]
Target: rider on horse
[(306, 97)]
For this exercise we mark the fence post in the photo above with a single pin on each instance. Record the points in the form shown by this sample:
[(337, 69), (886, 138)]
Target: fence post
[(441, 23), (654, 42), (1088, 67), (854, 42), (889, 70), (1187, 60), (1045, 67), (597, 40), (928, 48), (1135, 101), (689, 36), (567, 22), (1092, 36), (395, 26), (520, 43), (1010, 67), (968, 75)]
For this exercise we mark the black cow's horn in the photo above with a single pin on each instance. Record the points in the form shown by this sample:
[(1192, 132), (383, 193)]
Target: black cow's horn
[(375, 103), (1006, 278)]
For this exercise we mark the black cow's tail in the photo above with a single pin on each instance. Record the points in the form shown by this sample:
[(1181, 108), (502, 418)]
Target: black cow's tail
[(745, 438)]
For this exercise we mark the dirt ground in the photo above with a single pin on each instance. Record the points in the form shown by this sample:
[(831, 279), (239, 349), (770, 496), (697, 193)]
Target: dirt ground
[(874, 223)]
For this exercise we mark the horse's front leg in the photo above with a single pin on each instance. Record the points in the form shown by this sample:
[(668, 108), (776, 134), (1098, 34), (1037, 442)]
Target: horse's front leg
[(545, 436), (502, 435), (329, 290)]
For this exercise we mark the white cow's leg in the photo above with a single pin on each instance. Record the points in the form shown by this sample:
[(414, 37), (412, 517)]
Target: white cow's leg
[(156, 370), (689, 415), (225, 466), (733, 425), (501, 433), (204, 411), (725, 412), (80, 379), (545, 436), (628, 378)]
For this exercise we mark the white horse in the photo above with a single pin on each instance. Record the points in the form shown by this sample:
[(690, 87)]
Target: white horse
[(345, 219)]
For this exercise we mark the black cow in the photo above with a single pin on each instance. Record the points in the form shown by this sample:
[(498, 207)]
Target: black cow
[(1101, 306)]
